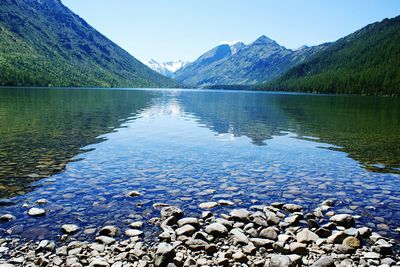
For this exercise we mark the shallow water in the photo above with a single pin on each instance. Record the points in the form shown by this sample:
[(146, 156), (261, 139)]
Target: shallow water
[(83, 150)]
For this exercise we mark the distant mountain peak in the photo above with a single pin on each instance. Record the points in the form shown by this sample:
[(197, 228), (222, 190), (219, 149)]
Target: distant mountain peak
[(263, 40), (166, 68), (301, 48), (237, 47)]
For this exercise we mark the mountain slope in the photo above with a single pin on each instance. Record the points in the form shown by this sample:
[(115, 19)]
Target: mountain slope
[(365, 62), (262, 60), (168, 68), (43, 43)]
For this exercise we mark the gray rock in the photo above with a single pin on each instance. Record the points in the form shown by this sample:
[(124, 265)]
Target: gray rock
[(185, 230), (164, 255), (292, 207), (323, 232), (239, 257), (269, 233), (388, 261), (280, 261), (138, 224), (240, 215), (196, 244), (324, 261), (306, 236), (249, 248), (99, 262), (336, 238), (189, 220), (343, 249), (106, 240), (109, 230), (293, 220), (216, 229), (298, 248), (239, 237), (169, 211), (272, 218), (262, 242), (372, 255)]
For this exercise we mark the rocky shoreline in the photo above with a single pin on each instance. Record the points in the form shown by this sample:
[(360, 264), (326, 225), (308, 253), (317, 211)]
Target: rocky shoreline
[(276, 235)]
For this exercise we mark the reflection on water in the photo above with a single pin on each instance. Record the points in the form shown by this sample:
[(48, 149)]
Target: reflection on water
[(187, 147), (368, 128), (41, 129)]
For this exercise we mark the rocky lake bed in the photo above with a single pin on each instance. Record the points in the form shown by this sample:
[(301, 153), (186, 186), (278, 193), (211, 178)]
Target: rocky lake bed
[(197, 178), (274, 235)]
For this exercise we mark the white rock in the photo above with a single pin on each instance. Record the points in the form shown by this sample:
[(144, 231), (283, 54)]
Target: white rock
[(133, 232), (70, 228), (35, 212)]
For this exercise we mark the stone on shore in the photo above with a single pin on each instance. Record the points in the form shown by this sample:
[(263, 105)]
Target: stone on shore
[(306, 236), (216, 229), (240, 215), (164, 255)]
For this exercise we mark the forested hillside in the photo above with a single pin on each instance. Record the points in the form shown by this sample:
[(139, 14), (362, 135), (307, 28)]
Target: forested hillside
[(366, 62), (43, 43)]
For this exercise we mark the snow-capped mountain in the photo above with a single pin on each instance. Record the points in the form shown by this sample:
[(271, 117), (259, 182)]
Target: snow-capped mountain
[(166, 68)]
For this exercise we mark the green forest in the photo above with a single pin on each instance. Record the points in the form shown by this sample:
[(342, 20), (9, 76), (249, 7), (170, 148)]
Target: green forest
[(45, 44), (366, 62)]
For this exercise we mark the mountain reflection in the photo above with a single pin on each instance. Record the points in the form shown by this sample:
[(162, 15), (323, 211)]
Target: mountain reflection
[(367, 128)]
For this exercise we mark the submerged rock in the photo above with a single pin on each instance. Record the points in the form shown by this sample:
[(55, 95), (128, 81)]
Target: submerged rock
[(345, 220), (70, 228), (208, 205), (36, 212)]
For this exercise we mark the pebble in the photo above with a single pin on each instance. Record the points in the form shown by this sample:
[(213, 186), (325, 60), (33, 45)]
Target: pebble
[(242, 238)]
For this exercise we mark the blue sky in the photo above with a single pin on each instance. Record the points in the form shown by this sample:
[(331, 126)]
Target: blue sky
[(184, 29)]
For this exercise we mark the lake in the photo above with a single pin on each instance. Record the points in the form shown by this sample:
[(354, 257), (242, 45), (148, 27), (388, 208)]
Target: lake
[(83, 150)]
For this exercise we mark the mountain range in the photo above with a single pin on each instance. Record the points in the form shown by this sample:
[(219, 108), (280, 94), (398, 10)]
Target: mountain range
[(43, 43), (168, 68), (239, 64), (364, 62)]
